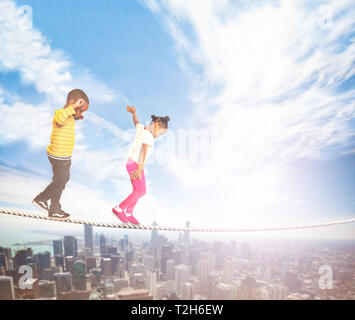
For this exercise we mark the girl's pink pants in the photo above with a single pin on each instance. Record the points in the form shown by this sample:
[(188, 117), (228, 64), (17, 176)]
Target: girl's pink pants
[(139, 188)]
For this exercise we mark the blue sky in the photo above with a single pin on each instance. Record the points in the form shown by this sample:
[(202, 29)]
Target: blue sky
[(270, 84)]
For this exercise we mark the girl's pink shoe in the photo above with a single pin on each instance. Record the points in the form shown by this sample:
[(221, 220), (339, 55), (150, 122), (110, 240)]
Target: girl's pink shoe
[(132, 219), (120, 214)]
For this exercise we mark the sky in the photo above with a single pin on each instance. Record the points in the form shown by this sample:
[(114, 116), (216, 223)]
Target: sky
[(260, 97)]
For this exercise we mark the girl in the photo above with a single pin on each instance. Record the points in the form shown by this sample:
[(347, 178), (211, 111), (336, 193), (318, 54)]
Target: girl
[(138, 154)]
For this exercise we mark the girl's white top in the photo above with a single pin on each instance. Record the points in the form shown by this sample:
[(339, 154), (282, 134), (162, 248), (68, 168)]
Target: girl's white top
[(142, 136)]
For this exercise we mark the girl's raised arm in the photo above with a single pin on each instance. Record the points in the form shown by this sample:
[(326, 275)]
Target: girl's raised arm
[(132, 110)]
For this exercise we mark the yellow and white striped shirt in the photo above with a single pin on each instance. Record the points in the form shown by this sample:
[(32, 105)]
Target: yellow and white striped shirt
[(63, 132)]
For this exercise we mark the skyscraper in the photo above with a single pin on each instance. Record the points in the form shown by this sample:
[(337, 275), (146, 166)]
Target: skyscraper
[(203, 273), (106, 268), (166, 254), (43, 260), (88, 233), (151, 281), (79, 278), (187, 291), (58, 247), (182, 274), (102, 244), (3, 261), (69, 264), (63, 282), (59, 261), (154, 239), (6, 288), (90, 263), (70, 246), (6, 252), (222, 292), (23, 257), (170, 269), (187, 233)]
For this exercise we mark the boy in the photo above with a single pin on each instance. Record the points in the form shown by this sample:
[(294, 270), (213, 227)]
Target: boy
[(60, 150)]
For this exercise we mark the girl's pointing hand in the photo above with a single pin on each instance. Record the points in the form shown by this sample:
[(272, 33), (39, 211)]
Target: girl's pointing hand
[(131, 109)]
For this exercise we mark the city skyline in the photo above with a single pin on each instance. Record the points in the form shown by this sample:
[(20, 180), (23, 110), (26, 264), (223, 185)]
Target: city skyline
[(184, 268)]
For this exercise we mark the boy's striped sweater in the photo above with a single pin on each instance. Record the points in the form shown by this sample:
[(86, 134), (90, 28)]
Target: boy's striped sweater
[(63, 132)]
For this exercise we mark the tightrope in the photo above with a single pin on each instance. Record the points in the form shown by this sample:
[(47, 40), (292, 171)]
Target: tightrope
[(27, 214)]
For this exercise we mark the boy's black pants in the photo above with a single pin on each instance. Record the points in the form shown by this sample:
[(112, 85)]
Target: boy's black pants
[(61, 175)]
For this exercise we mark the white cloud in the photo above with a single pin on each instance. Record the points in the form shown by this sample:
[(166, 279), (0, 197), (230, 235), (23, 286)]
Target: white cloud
[(268, 93), (26, 50)]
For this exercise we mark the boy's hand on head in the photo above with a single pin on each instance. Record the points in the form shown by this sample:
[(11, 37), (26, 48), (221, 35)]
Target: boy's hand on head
[(78, 117)]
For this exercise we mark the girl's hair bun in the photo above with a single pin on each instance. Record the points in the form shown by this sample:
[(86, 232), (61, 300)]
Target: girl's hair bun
[(154, 117), (166, 119)]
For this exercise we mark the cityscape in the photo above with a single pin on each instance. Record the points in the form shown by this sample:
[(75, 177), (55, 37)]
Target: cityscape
[(99, 268)]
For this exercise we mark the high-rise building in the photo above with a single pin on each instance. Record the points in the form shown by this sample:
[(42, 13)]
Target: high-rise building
[(166, 254), (48, 273), (43, 260), (22, 257), (7, 252), (88, 237), (149, 261), (58, 247), (116, 264), (6, 288), (177, 256), (187, 291), (79, 277), (120, 283), (59, 261), (70, 246), (69, 264), (222, 292), (194, 258), (186, 238), (106, 266), (137, 268), (46, 289), (154, 239), (218, 251), (182, 274), (3, 261), (277, 292), (137, 280), (63, 282), (170, 269), (90, 264), (152, 282), (203, 272), (111, 249), (102, 244), (213, 280)]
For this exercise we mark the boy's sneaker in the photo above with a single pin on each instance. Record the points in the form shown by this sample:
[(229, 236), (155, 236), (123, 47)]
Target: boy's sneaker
[(120, 214), (132, 219), (58, 214), (41, 204)]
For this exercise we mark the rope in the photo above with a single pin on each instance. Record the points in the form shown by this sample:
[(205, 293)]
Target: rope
[(27, 214)]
